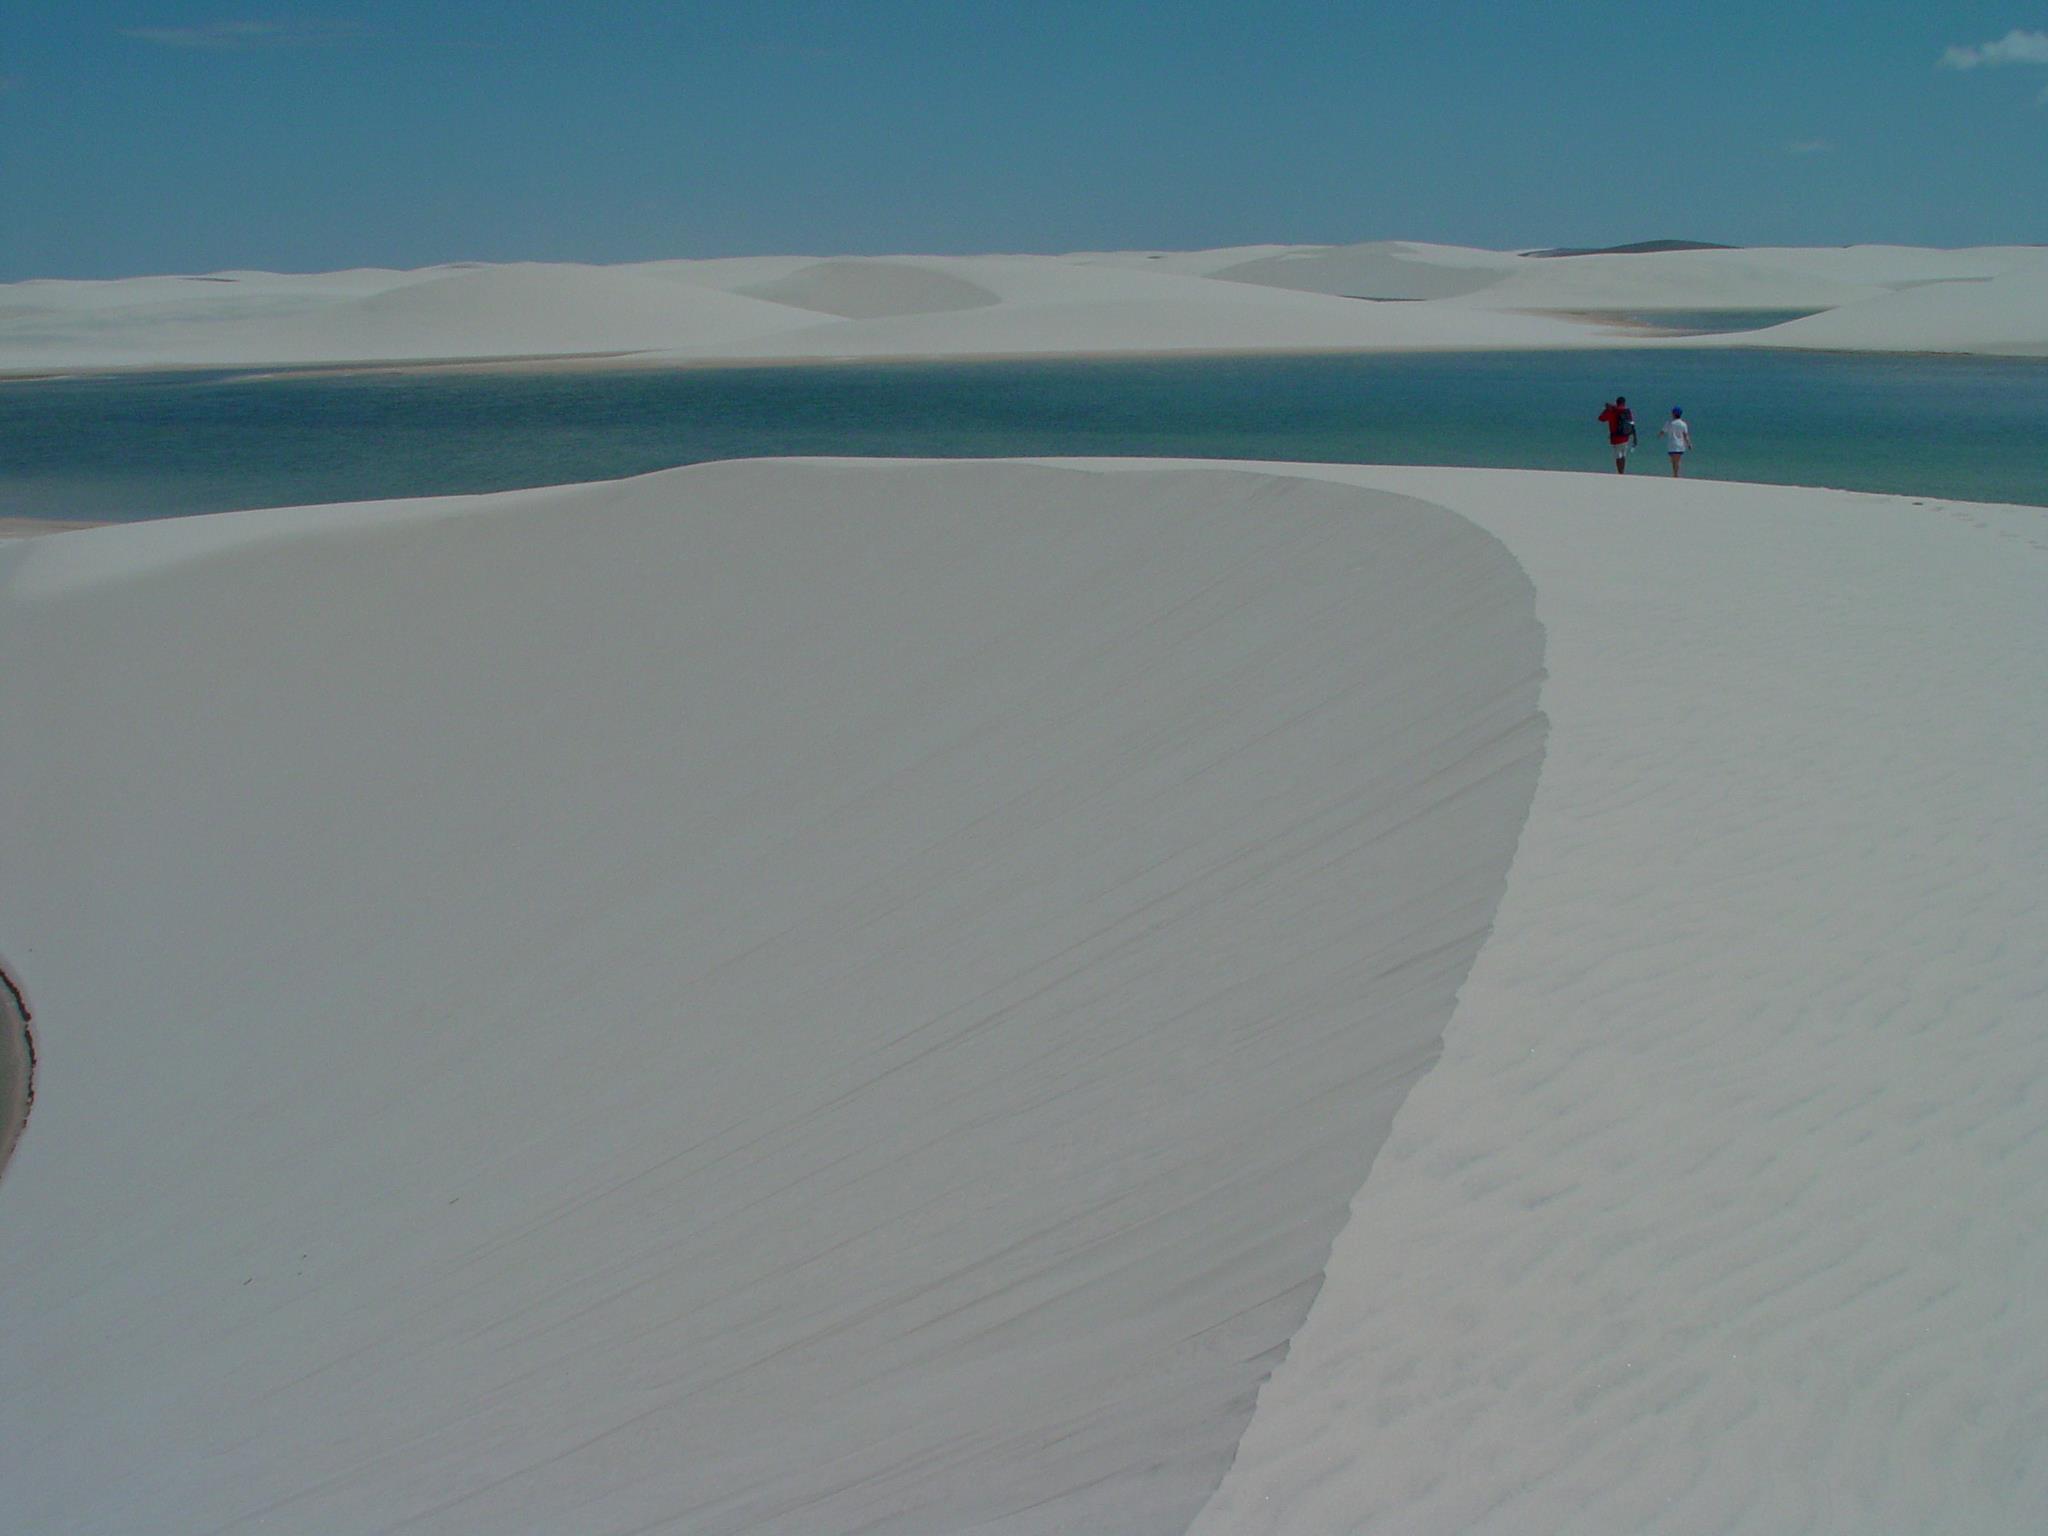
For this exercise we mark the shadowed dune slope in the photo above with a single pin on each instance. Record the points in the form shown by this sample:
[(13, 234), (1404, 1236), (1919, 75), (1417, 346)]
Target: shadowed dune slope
[(791, 997), (1381, 269), (866, 290), (491, 311), (2005, 314)]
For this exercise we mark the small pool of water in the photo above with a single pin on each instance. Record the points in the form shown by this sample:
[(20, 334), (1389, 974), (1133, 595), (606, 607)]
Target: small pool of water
[(1704, 322)]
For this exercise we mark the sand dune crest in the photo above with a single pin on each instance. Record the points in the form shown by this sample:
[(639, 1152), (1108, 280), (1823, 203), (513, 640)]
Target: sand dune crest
[(767, 997)]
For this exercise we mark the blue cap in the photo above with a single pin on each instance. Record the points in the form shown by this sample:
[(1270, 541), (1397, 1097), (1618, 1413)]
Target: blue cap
[(1677, 410)]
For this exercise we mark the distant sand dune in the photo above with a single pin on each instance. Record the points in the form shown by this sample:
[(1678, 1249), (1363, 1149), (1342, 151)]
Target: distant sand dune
[(1633, 248), (1051, 308), (508, 311), (1245, 299), (1669, 280), (530, 310), (866, 290), (1381, 270), (2007, 313)]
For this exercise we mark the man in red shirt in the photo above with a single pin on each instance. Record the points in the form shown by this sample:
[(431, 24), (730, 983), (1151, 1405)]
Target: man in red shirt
[(1621, 431)]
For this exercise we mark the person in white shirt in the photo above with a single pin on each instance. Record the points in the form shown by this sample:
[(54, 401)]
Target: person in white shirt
[(1677, 438)]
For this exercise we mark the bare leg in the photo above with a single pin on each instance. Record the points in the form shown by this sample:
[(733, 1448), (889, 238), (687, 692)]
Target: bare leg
[(1674, 464)]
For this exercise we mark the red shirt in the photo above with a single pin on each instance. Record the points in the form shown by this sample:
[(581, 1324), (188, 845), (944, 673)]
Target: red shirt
[(1621, 424)]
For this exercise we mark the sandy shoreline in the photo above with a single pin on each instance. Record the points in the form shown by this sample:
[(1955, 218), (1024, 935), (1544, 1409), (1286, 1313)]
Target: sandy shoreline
[(1619, 336)]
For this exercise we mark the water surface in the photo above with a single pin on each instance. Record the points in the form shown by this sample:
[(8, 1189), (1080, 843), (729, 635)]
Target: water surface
[(1705, 322), (140, 446)]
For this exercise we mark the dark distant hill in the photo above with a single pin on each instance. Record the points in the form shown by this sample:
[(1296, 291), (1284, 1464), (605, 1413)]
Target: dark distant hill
[(1640, 248)]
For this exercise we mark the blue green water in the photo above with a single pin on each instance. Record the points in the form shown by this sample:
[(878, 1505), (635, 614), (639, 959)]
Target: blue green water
[(139, 446), (1708, 322)]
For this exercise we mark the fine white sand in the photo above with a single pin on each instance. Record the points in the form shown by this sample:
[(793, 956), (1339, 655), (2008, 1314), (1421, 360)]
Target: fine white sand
[(1247, 299), (762, 997), (1045, 306), (833, 997), (1726, 1208), (870, 290), (500, 311), (1380, 269), (1746, 278), (2005, 314), (32, 527)]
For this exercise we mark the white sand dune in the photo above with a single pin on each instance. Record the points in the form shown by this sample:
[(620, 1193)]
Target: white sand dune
[(757, 998), (2004, 314), (1049, 306), (1688, 280), (730, 273), (1725, 1209), (35, 527), (1724, 279), (1247, 299), (869, 289), (1891, 266), (1189, 263), (727, 310), (1381, 269), (1156, 327), (818, 998), (143, 319), (493, 311), (535, 310), (228, 293)]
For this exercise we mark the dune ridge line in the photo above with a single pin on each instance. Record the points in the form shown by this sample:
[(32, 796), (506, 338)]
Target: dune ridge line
[(1003, 907), (1375, 296)]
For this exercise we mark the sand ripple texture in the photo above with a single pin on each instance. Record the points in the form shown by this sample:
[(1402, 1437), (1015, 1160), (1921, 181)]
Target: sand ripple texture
[(1727, 1207), (773, 997), (564, 1141)]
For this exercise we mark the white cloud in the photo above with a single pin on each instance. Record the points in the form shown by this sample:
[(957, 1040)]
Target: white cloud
[(222, 36), (2016, 47), (1809, 147)]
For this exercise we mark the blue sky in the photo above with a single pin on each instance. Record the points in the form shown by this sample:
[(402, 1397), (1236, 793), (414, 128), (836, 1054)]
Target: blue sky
[(178, 137)]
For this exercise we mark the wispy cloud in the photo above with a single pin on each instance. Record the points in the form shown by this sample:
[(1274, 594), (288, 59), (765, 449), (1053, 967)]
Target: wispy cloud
[(1809, 147), (2016, 47), (236, 36)]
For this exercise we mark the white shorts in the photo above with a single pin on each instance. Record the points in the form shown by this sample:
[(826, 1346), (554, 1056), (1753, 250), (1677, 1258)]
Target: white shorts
[(1622, 449)]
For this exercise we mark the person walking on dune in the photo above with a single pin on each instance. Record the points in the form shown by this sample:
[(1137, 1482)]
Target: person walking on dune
[(1677, 438), (1621, 431)]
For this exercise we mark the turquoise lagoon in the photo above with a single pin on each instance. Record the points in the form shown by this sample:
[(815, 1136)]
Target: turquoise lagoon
[(132, 446)]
